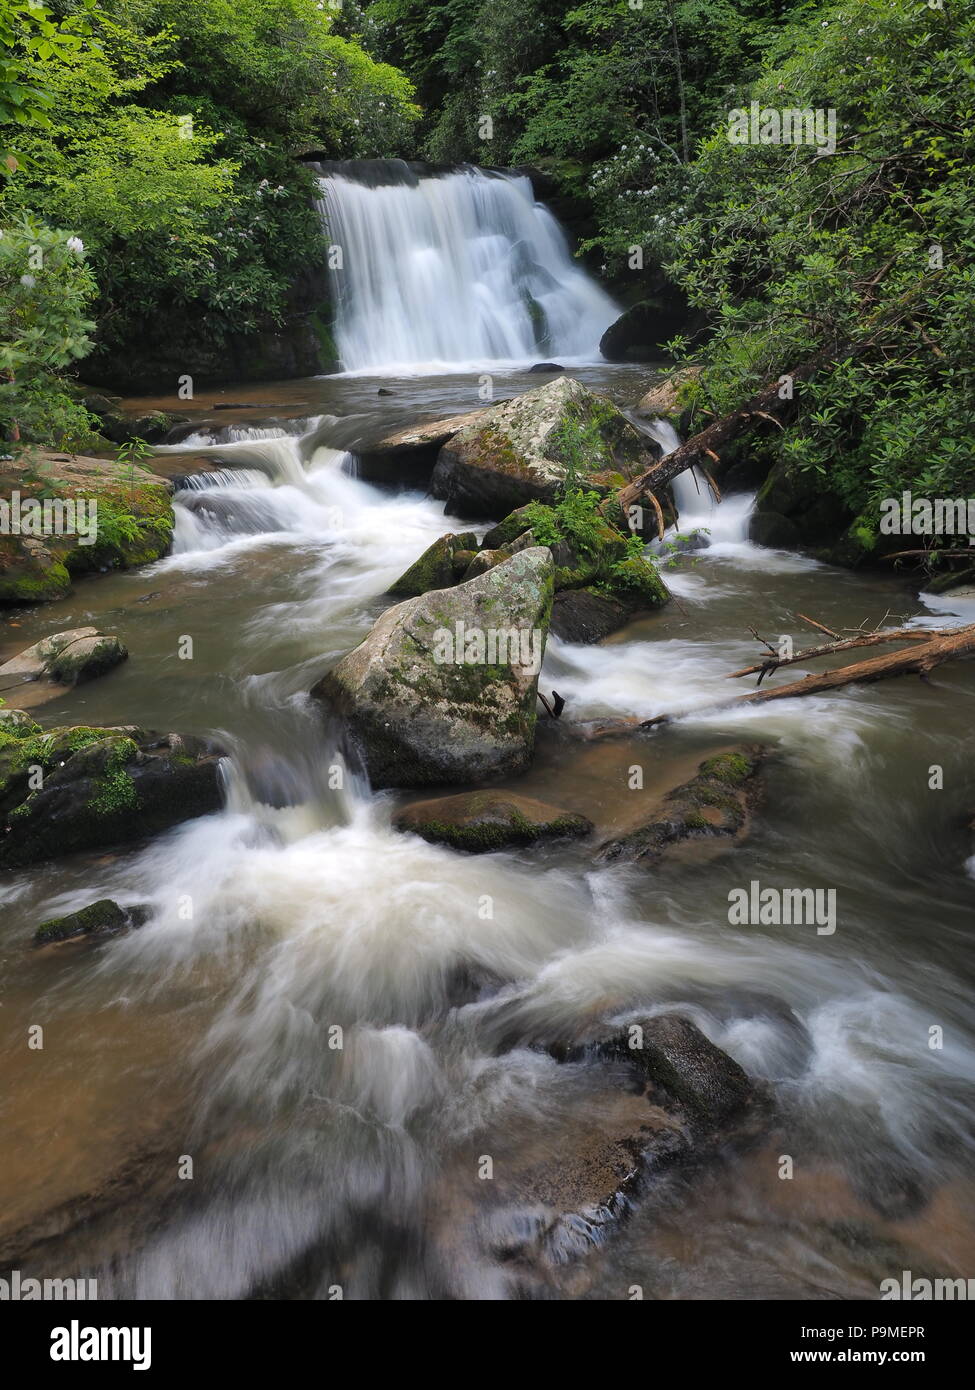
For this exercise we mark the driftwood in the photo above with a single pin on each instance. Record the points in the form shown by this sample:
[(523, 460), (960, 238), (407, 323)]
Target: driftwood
[(918, 660), (845, 644)]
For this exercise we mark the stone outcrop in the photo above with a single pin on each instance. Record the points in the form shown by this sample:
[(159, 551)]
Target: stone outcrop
[(443, 689)]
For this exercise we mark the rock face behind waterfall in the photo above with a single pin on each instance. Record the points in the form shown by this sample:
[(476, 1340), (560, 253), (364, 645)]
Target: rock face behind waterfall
[(524, 450), (443, 689)]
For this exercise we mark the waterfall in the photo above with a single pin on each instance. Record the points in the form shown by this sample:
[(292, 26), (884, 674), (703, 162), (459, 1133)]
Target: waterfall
[(725, 522), (456, 271)]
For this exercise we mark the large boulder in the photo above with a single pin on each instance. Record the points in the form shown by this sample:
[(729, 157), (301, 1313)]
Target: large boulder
[(487, 820), (641, 333), (58, 535), (64, 658), (81, 788), (443, 689), (667, 399), (534, 447)]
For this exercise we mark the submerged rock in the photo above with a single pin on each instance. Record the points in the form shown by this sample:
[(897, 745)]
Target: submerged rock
[(80, 788), (715, 803), (528, 449), (132, 522), (443, 689), (104, 918), (487, 820), (66, 658), (436, 567)]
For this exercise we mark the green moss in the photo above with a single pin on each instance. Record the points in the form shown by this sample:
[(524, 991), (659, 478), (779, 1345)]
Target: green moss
[(732, 768), (101, 917), (115, 790)]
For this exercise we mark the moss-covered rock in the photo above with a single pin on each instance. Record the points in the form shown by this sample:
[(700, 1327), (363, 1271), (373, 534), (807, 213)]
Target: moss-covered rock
[(535, 446), (443, 689), (64, 658), (488, 820), (104, 918), (62, 536), (435, 569), (80, 787), (715, 803)]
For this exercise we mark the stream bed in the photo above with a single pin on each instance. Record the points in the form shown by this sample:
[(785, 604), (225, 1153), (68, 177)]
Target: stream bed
[(298, 910)]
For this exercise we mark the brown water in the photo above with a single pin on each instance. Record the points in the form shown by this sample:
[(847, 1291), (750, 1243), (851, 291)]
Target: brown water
[(207, 1034)]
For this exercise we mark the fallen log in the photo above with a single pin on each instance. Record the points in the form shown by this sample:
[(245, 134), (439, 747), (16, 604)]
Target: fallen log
[(868, 639), (917, 660)]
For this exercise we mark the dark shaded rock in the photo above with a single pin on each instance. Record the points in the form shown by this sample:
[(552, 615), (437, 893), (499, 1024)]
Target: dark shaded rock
[(416, 712), (546, 367), (406, 457), (530, 448), (715, 803), (98, 787), (487, 820), (435, 569), (640, 332), (104, 918), (671, 1052), (775, 531), (585, 616)]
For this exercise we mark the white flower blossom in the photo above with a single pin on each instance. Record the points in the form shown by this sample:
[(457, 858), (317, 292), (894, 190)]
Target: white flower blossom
[(75, 244)]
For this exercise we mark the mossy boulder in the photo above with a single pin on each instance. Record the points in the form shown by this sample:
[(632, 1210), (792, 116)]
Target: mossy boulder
[(670, 398), (592, 557), (65, 658), (443, 689), (132, 522), (435, 569), (715, 804), (78, 787), (488, 820), (559, 435), (101, 919)]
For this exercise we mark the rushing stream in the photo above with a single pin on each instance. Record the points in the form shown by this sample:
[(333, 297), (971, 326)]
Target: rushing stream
[(207, 1035)]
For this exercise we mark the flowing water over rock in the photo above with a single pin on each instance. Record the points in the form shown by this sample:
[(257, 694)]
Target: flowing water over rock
[(298, 911), (461, 268)]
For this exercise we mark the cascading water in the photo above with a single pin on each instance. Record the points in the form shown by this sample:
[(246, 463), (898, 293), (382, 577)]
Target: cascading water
[(310, 912), (459, 270)]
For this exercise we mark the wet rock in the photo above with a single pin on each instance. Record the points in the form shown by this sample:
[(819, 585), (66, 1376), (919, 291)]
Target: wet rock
[(540, 367), (104, 918), (435, 569), (642, 331), (443, 689), (487, 820), (589, 552), (626, 1121), (714, 804), (66, 658), (406, 457), (666, 400), (671, 1052), (528, 449), (78, 788), (134, 522), (775, 531), (585, 616)]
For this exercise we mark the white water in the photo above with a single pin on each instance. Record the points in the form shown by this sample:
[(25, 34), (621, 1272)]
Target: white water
[(440, 274), (310, 911)]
